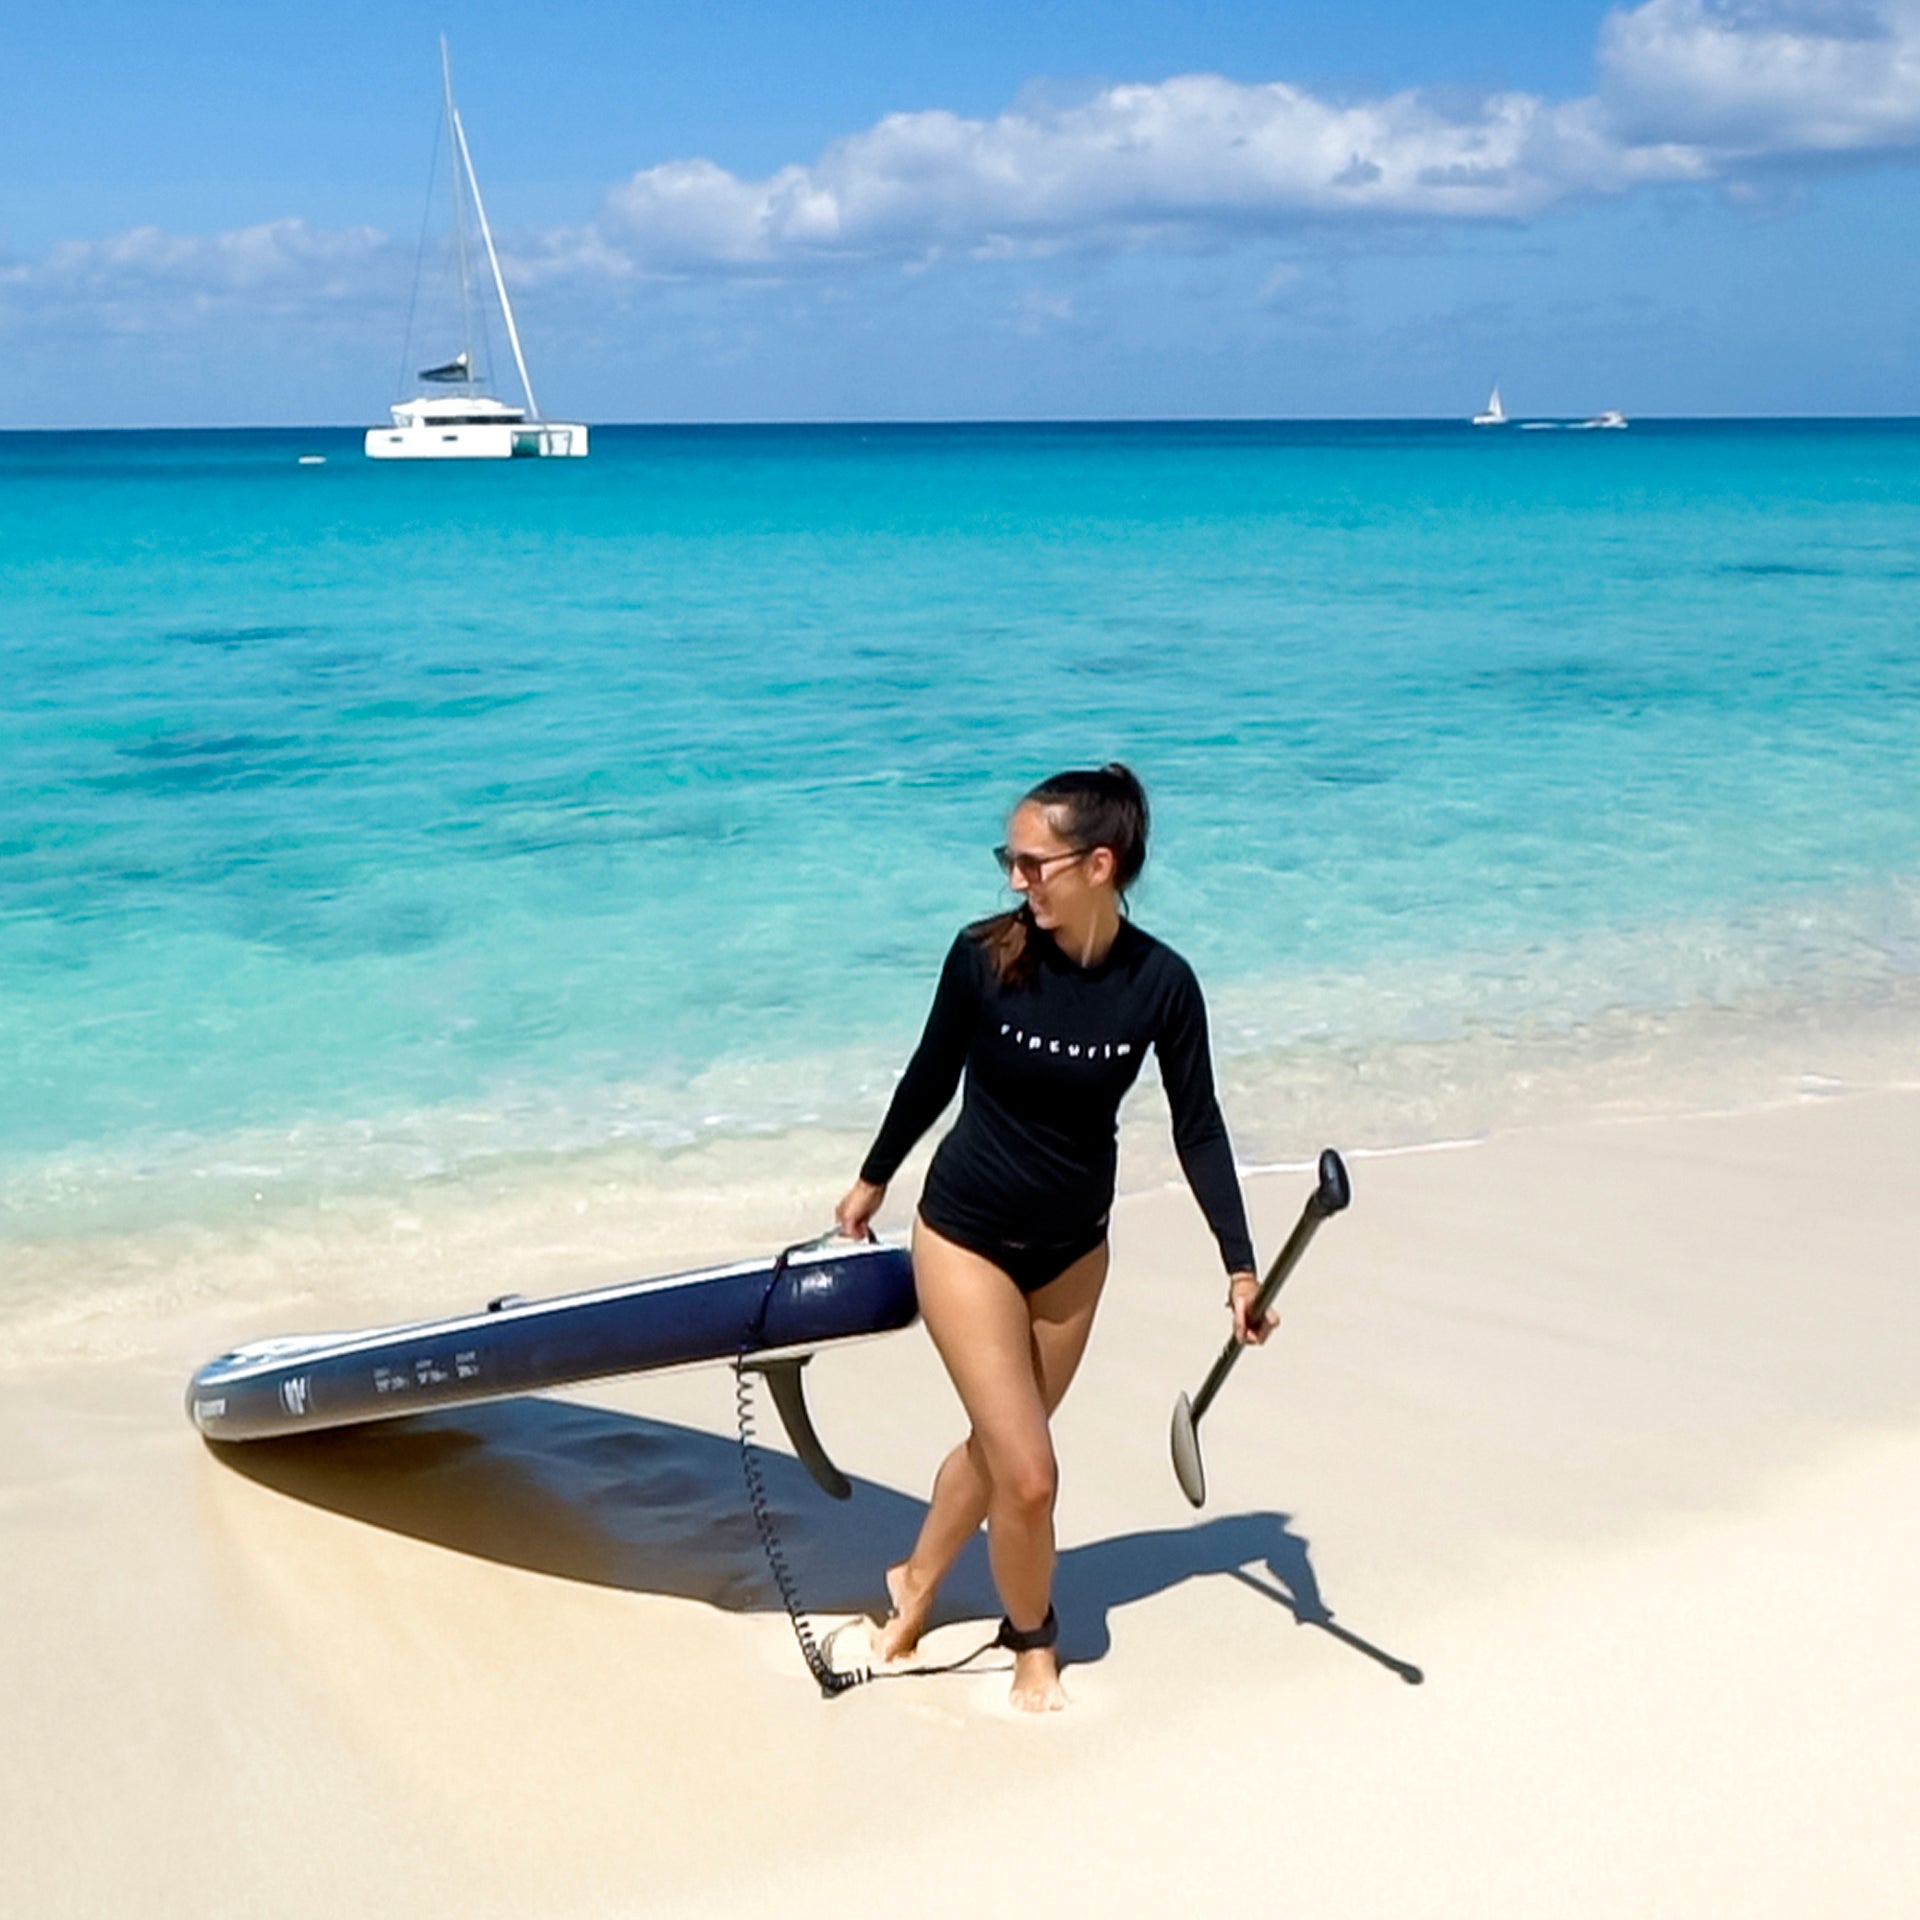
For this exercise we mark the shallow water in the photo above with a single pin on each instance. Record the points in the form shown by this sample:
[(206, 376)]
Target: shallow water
[(366, 826)]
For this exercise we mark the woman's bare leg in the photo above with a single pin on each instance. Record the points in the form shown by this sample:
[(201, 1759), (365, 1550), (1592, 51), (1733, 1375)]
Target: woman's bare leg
[(1012, 1358), (1060, 1318)]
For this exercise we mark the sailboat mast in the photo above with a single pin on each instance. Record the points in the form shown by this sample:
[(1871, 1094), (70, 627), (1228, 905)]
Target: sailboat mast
[(493, 258), (459, 212)]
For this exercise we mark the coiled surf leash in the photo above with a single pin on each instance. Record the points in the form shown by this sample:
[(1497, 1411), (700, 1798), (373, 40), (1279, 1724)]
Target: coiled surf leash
[(831, 1680)]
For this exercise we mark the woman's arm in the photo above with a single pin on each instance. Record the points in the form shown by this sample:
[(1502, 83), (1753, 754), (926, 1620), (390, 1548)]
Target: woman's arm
[(1199, 1132), (925, 1087), (1206, 1155)]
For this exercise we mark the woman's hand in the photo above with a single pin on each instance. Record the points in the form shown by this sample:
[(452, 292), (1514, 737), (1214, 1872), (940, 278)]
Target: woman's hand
[(1242, 1290), (854, 1213)]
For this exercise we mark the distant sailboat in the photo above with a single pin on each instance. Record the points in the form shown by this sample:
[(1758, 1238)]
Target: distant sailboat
[(471, 424), (1495, 415)]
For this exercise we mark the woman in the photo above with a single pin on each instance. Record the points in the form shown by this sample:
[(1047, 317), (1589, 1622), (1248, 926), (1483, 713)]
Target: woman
[(1049, 1011)]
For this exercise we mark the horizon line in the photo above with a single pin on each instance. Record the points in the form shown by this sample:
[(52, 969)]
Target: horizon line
[(1001, 420)]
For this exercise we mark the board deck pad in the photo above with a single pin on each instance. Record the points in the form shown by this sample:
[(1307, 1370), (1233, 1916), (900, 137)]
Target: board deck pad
[(759, 1310)]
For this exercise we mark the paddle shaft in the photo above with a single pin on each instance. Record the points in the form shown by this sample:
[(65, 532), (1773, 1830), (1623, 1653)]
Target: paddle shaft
[(1288, 1258)]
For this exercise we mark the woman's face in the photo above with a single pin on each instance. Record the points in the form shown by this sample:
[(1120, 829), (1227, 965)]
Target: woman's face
[(1058, 879)]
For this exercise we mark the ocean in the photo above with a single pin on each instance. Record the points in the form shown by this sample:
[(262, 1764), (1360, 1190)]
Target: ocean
[(370, 828)]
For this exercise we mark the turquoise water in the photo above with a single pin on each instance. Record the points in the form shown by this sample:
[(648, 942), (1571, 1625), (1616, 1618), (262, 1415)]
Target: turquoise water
[(365, 822)]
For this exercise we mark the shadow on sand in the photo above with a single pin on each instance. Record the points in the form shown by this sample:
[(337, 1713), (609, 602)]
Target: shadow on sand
[(584, 1493)]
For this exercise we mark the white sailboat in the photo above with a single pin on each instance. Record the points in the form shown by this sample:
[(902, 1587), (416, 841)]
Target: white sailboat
[(470, 423), (1494, 414)]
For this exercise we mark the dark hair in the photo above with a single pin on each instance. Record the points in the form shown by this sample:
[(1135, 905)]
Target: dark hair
[(1092, 807), (1101, 807)]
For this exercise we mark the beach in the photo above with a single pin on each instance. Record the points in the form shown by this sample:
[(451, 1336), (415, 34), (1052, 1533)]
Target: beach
[(419, 888), (1556, 1558)]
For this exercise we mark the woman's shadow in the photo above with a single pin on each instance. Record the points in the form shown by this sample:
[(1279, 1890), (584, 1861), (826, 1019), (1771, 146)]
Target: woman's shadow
[(584, 1493)]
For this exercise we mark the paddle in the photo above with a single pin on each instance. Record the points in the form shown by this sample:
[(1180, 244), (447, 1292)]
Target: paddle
[(1327, 1199)]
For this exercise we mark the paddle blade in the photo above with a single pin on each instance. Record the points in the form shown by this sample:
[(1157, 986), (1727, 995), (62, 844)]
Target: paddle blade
[(1187, 1466), (1336, 1188)]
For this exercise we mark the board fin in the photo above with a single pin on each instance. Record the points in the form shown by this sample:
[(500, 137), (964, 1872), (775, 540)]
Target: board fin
[(783, 1378)]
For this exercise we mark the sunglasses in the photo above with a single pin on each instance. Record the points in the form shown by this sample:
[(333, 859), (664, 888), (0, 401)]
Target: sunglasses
[(1032, 867)]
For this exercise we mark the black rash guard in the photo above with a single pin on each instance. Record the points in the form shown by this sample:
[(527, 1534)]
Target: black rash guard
[(1033, 1154)]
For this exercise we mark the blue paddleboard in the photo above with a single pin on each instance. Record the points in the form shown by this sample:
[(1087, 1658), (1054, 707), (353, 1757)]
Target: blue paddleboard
[(772, 1314)]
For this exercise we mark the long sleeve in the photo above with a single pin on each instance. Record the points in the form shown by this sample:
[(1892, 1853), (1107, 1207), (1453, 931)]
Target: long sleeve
[(934, 1071), (1199, 1131)]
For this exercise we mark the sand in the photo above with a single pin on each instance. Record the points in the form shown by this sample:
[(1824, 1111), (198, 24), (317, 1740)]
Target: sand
[(1558, 1560)]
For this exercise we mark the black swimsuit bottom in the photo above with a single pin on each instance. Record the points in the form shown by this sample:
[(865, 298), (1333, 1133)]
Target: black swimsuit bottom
[(1029, 1264)]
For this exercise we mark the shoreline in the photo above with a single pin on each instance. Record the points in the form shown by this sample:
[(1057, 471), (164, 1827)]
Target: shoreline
[(1722, 1011), (1609, 1430), (234, 1230)]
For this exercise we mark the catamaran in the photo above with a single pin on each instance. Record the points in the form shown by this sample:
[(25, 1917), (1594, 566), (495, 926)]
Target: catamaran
[(465, 422), (1494, 414)]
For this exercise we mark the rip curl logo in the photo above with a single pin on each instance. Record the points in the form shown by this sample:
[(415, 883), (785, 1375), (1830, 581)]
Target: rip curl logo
[(294, 1394), (1066, 1049)]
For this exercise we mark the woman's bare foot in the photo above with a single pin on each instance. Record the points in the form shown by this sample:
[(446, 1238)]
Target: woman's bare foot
[(899, 1634), (1036, 1682)]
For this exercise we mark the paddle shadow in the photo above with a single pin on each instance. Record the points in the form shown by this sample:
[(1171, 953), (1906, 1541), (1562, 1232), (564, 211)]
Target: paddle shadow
[(615, 1500), (1092, 1580)]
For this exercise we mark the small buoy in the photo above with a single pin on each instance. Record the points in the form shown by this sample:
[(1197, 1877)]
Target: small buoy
[(313, 459)]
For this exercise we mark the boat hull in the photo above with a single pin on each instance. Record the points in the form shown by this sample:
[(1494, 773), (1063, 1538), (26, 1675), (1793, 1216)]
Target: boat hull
[(484, 440)]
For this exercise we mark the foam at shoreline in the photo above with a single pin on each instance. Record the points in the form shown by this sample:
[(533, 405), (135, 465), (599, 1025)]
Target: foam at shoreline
[(369, 1222)]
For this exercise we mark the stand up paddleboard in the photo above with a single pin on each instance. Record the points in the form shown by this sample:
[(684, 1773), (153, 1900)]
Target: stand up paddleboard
[(770, 1316)]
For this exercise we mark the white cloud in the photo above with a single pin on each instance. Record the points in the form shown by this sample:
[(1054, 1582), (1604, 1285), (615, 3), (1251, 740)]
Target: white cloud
[(1691, 90), (1753, 80), (1036, 313), (281, 252), (1688, 91), (143, 277), (1196, 156)]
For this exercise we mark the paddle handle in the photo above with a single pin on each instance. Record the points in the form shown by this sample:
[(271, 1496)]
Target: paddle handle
[(1328, 1198)]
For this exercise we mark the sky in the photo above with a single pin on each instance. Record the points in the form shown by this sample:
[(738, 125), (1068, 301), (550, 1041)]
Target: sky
[(211, 214)]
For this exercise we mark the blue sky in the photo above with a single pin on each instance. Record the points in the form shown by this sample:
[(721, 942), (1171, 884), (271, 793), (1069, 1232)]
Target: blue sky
[(209, 213)]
